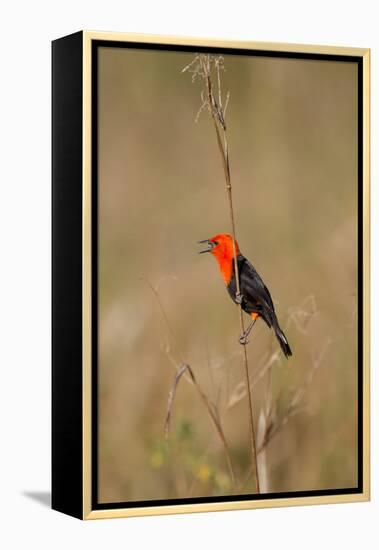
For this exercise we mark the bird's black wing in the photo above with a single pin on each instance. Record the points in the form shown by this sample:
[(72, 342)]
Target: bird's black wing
[(256, 297)]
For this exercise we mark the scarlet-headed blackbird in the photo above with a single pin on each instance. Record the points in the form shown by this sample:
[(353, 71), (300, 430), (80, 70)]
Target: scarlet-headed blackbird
[(255, 298)]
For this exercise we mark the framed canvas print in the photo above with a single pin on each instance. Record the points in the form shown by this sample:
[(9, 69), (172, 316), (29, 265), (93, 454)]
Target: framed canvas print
[(210, 275)]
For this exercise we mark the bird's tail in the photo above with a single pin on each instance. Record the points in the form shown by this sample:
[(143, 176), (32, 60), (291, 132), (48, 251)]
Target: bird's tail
[(282, 340)]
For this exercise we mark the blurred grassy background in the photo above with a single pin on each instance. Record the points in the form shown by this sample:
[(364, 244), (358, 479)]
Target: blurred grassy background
[(292, 127)]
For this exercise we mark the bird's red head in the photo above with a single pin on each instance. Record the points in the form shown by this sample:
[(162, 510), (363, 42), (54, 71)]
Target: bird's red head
[(221, 247)]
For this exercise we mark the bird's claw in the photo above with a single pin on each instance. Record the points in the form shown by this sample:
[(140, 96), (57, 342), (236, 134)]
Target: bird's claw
[(243, 340), (239, 298)]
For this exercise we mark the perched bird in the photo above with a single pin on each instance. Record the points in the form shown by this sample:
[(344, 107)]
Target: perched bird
[(255, 299)]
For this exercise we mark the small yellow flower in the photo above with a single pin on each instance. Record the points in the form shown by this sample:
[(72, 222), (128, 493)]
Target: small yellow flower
[(203, 473), (157, 459)]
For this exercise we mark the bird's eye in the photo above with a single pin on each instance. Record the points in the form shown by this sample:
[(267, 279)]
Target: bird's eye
[(215, 243)]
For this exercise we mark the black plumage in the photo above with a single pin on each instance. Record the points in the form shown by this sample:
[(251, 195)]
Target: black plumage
[(256, 298)]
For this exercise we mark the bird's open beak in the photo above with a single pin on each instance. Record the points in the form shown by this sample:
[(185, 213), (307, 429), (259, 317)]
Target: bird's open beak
[(209, 243)]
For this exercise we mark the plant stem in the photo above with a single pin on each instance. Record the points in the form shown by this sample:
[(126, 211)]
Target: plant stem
[(182, 370), (211, 412), (217, 114)]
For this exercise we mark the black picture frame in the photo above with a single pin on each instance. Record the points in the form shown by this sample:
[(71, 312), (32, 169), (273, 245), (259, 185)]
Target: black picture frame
[(74, 436)]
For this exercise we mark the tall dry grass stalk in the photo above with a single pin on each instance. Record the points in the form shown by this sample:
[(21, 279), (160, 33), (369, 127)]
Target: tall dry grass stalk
[(208, 68), (210, 409), (183, 368)]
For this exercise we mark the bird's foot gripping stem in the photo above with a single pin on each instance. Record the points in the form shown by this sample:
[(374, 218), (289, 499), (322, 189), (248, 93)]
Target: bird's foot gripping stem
[(239, 298), (243, 338)]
